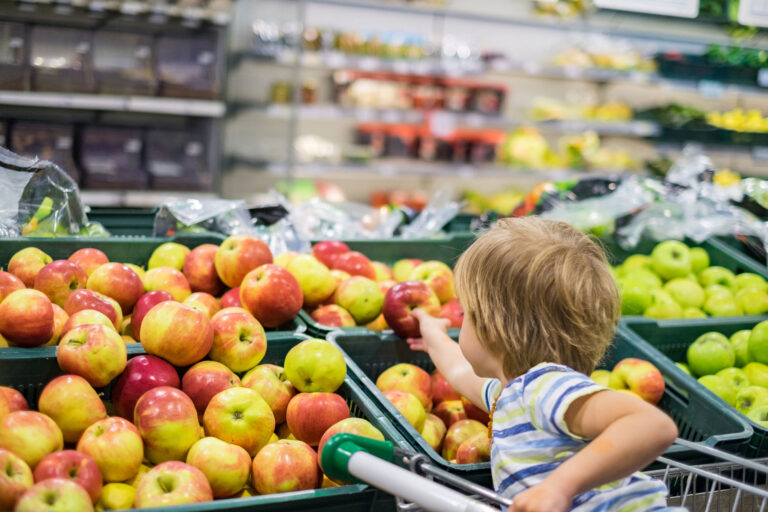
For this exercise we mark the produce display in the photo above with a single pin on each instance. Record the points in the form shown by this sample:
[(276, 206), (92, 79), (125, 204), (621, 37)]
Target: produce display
[(635, 376), (739, 121), (546, 109), (676, 281)]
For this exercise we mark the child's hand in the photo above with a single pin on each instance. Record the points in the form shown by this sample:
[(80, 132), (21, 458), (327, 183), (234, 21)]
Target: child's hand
[(541, 498), (431, 329)]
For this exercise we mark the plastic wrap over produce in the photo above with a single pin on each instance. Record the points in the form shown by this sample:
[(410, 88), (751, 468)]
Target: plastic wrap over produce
[(38, 199)]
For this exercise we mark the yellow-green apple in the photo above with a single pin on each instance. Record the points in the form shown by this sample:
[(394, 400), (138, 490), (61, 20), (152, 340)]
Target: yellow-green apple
[(89, 299), (663, 306), (204, 380), (438, 276), (717, 275), (474, 412), (458, 433), (452, 312), (238, 255), (640, 377), (309, 415), (383, 272), (15, 400), (225, 465), (757, 373), (231, 299), (118, 281), (752, 301), (282, 260), (167, 279), (358, 426), (717, 290), (200, 270), (271, 382), (686, 293), (401, 300), (361, 297), (272, 295), (699, 259), (55, 495), (172, 483), (86, 317), (601, 377), (339, 276), (204, 302), (475, 449), (315, 279), (89, 259), (635, 261), (169, 254), (60, 318), (355, 264), (409, 406), (26, 263), (76, 466), (94, 352), (240, 416), (750, 397), (645, 278), (179, 334), (684, 367), (693, 313), (402, 269), (719, 386), (15, 478), (142, 307), (759, 415), (671, 259), (141, 374), (721, 305), (450, 411), (167, 422), (73, 404), (9, 283), (758, 342), (286, 466), (58, 279), (433, 431), (116, 447), (735, 377), (239, 341), (409, 378), (332, 315), (740, 343), (379, 324), (328, 250), (635, 296), (26, 318), (30, 435), (441, 389), (315, 365), (749, 280), (116, 496), (710, 353)]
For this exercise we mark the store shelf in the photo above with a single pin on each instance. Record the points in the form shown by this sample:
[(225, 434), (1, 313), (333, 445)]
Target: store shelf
[(138, 198), (142, 104)]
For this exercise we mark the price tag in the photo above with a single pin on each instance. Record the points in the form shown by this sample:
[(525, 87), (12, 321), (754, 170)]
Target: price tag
[(753, 13), (678, 8), (762, 77)]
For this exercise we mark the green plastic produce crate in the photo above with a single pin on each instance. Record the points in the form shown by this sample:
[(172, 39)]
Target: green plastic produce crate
[(30, 374), (693, 410), (744, 247), (125, 221), (673, 337)]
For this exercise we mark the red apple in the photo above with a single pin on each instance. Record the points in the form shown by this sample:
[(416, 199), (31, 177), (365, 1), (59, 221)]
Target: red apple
[(58, 279), (15, 478), (450, 411), (200, 270), (333, 316), (9, 283), (118, 281), (309, 415), (225, 465), (204, 380), (357, 426), (26, 263), (355, 264), (327, 251), (409, 378), (438, 276), (239, 341), (204, 302), (452, 312), (270, 381), (238, 255), (142, 307), (89, 259), (286, 466), (474, 412), (433, 431), (26, 318), (475, 449), (167, 421), (89, 299), (74, 465), (30, 435), (60, 318), (141, 374), (401, 299), (409, 406), (177, 333), (441, 389), (272, 295), (458, 433), (16, 400), (73, 404), (168, 279), (86, 317), (231, 299), (115, 446), (55, 495), (95, 352), (240, 416), (172, 483)]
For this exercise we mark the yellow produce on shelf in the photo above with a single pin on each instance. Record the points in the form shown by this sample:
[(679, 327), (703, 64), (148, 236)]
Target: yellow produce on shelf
[(739, 121)]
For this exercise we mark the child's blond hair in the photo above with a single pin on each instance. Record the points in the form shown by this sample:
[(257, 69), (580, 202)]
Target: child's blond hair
[(539, 291)]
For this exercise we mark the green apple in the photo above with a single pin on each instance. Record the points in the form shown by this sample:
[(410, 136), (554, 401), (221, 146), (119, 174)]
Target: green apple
[(750, 397), (717, 275), (690, 277), (736, 377), (636, 262), (758, 342), (643, 276), (315, 365), (169, 254), (757, 373), (710, 353), (759, 415), (671, 259), (315, 279), (750, 280), (717, 290), (635, 296), (693, 313), (719, 386), (686, 293), (699, 259), (601, 377), (753, 301), (740, 343), (684, 367), (720, 305), (663, 306), (362, 297)]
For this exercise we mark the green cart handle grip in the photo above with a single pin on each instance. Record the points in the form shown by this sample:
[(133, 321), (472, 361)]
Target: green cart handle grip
[(340, 447)]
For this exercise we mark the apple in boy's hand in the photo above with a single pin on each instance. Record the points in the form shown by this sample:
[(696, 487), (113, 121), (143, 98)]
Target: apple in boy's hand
[(400, 302), (639, 376), (55, 495), (172, 483), (671, 259), (710, 353)]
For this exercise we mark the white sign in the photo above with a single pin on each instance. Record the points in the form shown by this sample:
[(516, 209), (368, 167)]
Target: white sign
[(679, 8), (753, 13)]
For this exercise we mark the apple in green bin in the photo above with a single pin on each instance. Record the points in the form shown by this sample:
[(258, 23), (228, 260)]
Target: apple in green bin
[(684, 367), (717, 275), (719, 386), (757, 373), (759, 415), (172, 483), (751, 397), (169, 254), (717, 290), (635, 297), (315, 365), (635, 262), (686, 293), (226, 466), (740, 343), (26, 263), (736, 377), (55, 495), (644, 277), (671, 259), (747, 280), (720, 305), (663, 306), (314, 278), (362, 297), (710, 353), (752, 301), (758, 342), (693, 313), (410, 407), (58, 279), (15, 478), (699, 259)]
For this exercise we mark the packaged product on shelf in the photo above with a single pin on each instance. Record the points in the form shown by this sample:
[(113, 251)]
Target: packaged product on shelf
[(401, 141), (488, 98), (177, 160), (373, 135), (46, 141), (14, 73), (483, 145), (458, 94), (435, 148), (189, 67), (123, 63), (111, 158), (62, 60)]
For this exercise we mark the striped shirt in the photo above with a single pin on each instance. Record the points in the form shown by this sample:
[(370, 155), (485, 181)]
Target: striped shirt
[(531, 439)]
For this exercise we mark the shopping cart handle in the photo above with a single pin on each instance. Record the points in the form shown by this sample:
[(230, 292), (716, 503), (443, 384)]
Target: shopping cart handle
[(340, 447)]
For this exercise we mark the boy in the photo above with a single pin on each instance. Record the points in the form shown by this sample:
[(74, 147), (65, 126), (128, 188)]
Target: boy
[(540, 308)]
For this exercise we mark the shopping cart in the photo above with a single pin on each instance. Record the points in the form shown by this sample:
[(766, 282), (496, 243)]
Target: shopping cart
[(732, 484)]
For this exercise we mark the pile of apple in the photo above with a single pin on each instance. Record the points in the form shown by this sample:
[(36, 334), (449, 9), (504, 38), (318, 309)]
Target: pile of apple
[(635, 376), (735, 369), (165, 440), (676, 281), (452, 425)]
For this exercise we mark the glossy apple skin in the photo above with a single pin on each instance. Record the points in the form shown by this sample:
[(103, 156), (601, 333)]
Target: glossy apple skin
[(237, 256), (67, 496), (286, 466), (167, 279), (355, 264), (474, 412), (179, 334), (433, 431), (89, 299), (226, 466), (327, 251), (58, 279), (30, 435), (60, 318), (272, 295), (452, 312), (641, 377), (115, 446), (95, 352), (141, 374), (16, 401), (204, 380), (441, 389), (167, 421), (401, 299), (142, 307), (89, 259), (26, 263), (200, 270), (118, 281), (204, 302), (309, 415), (26, 318), (239, 340), (438, 276), (409, 378), (86, 317), (458, 433), (333, 316), (9, 283), (475, 449), (190, 486), (409, 406), (240, 416), (231, 299), (402, 269), (270, 381), (450, 411), (15, 478), (78, 467), (73, 404)]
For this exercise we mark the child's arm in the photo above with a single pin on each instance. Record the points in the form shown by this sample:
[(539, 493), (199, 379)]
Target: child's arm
[(448, 359), (628, 434)]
